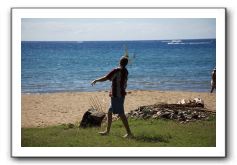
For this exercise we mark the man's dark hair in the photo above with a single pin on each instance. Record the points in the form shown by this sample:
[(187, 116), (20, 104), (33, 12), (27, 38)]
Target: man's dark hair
[(123, 61)]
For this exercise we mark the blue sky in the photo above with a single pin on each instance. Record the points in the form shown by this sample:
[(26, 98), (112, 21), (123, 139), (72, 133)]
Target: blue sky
[(70, 29)]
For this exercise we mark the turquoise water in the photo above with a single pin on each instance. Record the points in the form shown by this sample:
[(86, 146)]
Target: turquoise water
[(181, 65)]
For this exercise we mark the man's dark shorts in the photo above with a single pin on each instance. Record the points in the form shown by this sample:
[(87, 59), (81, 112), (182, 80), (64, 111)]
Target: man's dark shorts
[(117, 105)]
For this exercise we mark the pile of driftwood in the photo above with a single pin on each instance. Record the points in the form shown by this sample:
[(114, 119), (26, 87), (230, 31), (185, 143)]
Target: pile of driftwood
[(183, 111)]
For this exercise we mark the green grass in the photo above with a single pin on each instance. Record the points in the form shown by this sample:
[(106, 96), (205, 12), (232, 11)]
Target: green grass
[(147, 133)]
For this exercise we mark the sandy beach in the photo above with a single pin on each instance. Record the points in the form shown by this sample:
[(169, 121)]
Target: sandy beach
[(41, 110)]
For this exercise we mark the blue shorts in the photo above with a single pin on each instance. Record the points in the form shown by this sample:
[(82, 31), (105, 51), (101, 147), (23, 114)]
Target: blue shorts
[(116, 105)]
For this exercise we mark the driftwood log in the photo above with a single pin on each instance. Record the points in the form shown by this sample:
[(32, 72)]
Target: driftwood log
[(92, 118)]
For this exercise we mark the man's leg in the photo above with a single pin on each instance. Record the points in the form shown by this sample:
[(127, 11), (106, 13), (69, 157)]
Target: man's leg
[(108, 124), (125, 123), (211, 89), (109, 121)]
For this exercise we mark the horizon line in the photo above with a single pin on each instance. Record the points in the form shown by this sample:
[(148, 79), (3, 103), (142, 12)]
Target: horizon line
[(113, 40)]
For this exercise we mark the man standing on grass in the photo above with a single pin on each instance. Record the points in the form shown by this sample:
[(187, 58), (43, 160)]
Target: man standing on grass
[(119, 77)]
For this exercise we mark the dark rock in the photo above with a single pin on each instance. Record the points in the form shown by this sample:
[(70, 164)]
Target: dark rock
[(165, 115), (195, 116), (176, 112)]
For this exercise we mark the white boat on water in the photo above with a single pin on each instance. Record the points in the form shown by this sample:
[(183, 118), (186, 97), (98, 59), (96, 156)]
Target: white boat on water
[(175, 42)]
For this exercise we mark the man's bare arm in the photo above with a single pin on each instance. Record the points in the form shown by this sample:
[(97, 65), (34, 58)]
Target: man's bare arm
[(99, 80)]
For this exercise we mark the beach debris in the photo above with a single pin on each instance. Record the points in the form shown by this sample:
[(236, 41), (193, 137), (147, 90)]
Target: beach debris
[(96, 103), (196, 102), (186, 112), (92, 118)]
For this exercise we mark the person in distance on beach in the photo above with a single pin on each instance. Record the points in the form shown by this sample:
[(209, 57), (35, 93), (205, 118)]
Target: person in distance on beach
[(213, 80), (119, 77)]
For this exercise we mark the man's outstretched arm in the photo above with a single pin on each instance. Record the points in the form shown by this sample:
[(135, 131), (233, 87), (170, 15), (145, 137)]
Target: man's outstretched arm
[(99, 80)]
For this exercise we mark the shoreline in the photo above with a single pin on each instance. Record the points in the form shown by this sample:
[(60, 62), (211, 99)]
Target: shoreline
[(75, 91), (47, 109)]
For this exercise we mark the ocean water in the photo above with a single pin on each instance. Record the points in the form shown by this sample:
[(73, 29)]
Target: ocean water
[(180, 65)]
